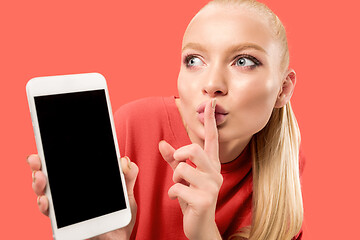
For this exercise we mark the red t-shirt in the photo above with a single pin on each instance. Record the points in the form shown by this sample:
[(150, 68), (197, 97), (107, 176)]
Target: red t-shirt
[(140, 126)]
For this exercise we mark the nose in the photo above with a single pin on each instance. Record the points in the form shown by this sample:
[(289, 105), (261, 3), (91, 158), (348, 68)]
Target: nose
[(215, 83)]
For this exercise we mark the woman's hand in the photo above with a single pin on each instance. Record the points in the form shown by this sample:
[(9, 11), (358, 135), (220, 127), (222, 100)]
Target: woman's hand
[(197, 188), (130, 171)]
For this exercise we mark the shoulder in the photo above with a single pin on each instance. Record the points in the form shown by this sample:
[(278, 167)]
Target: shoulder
[(144, 106), (141, 124), (142, 110), (149, 114)]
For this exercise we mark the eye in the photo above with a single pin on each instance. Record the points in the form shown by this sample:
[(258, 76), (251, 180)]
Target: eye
[(244, 62), (192, 61), (247, 61)]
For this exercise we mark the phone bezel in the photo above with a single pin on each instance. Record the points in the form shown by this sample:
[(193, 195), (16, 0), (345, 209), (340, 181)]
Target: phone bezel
[(41, 86)]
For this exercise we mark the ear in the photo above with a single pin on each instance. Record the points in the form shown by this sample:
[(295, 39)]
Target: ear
[(287, 89)]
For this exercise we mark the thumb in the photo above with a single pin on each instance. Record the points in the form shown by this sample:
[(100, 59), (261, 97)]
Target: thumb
[(130, 171)]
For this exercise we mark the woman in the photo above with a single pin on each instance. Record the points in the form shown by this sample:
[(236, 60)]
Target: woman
[(231, 141)]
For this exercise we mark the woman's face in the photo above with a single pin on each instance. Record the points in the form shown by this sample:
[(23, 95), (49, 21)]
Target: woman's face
[(230, 55)]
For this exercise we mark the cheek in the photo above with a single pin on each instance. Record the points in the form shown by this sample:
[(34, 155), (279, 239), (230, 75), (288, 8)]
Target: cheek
[(262, 97), (256, 105), (182, 84), (188, 88), (186, 93)]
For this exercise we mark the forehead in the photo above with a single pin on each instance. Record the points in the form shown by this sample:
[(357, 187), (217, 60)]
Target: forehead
[(218, 27)]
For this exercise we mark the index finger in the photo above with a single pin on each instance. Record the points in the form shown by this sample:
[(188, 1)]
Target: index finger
[(34, 162), (211, 145)]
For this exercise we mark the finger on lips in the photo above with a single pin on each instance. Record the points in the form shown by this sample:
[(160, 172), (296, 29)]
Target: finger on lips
[(211, 144), (194, 152), (184, 174)]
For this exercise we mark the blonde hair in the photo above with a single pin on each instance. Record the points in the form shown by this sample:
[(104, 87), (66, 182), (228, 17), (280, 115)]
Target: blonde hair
[(277, 211)]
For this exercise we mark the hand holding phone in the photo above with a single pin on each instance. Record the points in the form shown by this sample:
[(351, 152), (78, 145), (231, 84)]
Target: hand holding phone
[(130, 171), (79, 155)]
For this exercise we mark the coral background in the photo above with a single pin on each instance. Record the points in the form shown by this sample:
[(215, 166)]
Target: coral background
[(136, 46)]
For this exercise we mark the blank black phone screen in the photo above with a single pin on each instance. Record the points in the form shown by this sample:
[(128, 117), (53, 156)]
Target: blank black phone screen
[(80, 155)]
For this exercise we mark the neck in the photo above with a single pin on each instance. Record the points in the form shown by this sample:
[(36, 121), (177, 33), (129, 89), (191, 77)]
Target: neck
[(229, 151)]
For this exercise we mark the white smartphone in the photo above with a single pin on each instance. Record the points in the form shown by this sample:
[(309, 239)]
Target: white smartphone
[(77, 144)]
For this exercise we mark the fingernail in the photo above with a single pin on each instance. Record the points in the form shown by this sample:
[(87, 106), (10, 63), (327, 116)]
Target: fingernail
[(33, 176), (129, 162), (38, 200), (213, 104)]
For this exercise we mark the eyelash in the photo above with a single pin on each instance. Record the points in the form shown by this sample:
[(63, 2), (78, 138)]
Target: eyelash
[(251, 58), (187, 59), (257, 63)]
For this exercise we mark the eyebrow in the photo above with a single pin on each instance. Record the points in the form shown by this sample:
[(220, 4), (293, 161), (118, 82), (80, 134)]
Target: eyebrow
[(196, 46), (235, 48)]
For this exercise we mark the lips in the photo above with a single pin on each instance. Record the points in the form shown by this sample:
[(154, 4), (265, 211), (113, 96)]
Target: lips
[(220, 113)]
